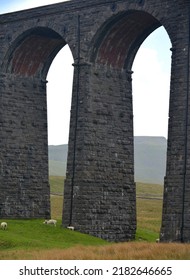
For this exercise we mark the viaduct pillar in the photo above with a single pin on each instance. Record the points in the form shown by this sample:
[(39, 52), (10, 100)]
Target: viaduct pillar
[(176, 205), (100, 195), (24, 191)]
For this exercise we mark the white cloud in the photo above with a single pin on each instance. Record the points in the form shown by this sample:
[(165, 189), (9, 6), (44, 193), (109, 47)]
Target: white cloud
[(11, 6), (59, 91), (36, 3), (150, 94)]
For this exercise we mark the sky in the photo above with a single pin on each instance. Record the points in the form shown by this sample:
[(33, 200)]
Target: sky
[(151, 79)]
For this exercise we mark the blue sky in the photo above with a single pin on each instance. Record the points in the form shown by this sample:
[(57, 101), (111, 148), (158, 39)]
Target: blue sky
[(151, 80), (15, 5)]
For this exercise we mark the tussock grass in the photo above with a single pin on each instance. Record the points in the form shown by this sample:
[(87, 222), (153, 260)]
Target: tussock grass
[(120, 251)]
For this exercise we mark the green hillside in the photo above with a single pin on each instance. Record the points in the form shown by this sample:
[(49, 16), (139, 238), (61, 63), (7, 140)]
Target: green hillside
[(149, 156), (44, 242)]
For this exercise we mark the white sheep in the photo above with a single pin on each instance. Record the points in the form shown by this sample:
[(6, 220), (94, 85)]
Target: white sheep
[(4, 225), (71, 228), (50, 222)]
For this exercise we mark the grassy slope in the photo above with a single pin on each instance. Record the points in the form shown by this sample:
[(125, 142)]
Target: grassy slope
[(148, 210), (33, 234), (19, 235), (47, 242), (56, 184), (57, 167)]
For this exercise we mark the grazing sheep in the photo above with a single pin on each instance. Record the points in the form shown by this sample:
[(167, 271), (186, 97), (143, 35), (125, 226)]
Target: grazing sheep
[(71, 228), (157, 240), (4, 225), (50, 222)]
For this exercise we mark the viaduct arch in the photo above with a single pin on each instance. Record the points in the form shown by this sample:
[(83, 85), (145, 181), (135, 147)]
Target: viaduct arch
[(104, 37)]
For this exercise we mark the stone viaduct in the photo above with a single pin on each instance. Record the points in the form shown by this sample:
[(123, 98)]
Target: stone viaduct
[(104, 37)]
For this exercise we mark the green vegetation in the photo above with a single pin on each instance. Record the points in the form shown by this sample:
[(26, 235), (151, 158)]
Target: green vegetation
[(56, 206), (33, 234), (31, 239), (149, 190), (20, 235), (57, 168), (56, 189), (149, 207), (149, 211), (56, 184)]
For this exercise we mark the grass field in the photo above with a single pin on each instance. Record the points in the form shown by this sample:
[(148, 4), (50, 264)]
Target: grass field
[(149, 208), (49, 242), (149, 211), (56, 184)]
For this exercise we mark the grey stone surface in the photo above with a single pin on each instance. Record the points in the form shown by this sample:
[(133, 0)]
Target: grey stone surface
[(104, 37)]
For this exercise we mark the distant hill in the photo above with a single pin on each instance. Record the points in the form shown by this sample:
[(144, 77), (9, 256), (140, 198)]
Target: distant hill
[(150, 159), (149, 156), (57, 159)]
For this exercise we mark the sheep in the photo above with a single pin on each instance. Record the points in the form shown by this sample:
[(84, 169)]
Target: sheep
[(4, 225), (50, 222), (71, 228)]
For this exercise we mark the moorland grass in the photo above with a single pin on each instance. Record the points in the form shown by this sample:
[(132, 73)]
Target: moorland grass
[(56, 206), (118, 251), (31, 239), (56, 184), (149, 211)]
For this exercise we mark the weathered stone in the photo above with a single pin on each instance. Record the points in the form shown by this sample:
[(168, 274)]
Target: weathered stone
[(104, 37)]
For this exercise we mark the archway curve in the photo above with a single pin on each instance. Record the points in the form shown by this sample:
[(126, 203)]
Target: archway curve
[(29, 59), (32, 53), (119, 38), (115, 46)]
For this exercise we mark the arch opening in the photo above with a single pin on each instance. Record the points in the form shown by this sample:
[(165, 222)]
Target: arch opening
[(151, 87), (33, 52), (59, 91), (115, 48), (118, 41), (26, 65)]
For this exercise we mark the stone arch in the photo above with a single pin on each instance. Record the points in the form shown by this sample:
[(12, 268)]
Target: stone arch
[(25, 67), (113, 51), (32, 53), (119, 38)]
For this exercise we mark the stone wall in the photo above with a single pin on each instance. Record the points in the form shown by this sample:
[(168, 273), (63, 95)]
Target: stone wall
[(24, 186), (103, 201), (104, 37)]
